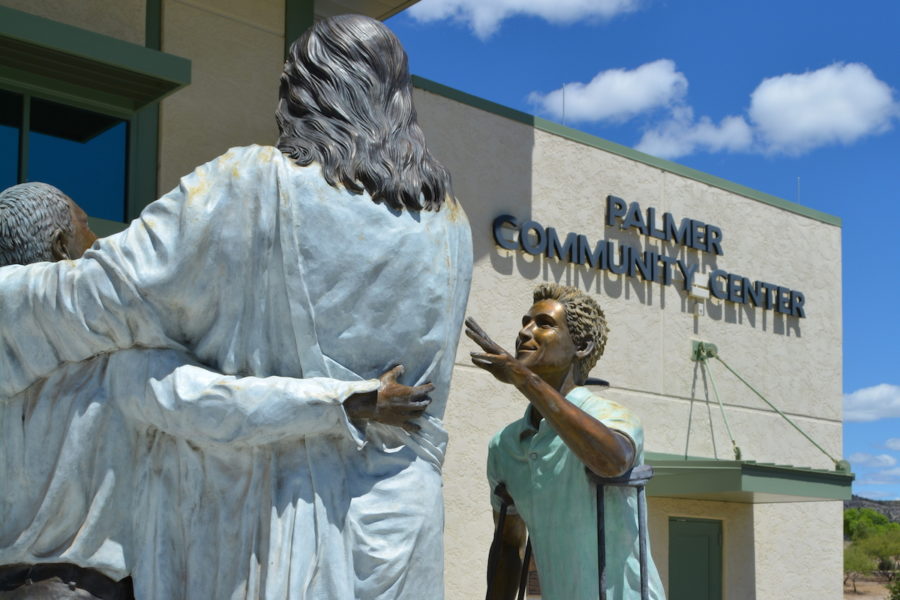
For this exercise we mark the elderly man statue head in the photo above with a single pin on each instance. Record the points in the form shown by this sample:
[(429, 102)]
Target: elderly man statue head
[(345, 102), (40, 223)]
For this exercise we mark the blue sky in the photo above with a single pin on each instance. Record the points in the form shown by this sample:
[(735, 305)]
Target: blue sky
[(761, 93)]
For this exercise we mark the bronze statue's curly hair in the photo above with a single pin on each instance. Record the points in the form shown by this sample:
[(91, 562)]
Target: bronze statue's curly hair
[(345, 102), (585, 320)]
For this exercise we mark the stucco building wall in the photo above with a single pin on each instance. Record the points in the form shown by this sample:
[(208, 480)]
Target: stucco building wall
[(123, 19), (237, 52), (502, 166), (799, 550)]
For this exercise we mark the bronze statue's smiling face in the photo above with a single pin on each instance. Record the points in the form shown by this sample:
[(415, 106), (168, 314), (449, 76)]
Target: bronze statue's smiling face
[(544, 344)]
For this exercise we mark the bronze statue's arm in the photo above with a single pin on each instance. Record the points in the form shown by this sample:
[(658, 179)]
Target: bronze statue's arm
[(503, 582), (392, 403), (604, 451)]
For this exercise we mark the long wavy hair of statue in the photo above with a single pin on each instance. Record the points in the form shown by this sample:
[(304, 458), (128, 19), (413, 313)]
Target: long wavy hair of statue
[(345, 101)]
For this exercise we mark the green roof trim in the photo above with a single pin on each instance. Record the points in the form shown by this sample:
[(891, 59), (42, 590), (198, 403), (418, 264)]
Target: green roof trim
[(630, 153), (396, 8), (44, 57), (743, 480)]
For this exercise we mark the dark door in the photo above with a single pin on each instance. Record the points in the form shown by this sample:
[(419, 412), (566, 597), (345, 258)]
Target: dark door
[(695, 559)]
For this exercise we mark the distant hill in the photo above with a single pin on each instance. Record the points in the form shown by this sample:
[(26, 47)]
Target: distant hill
[(889, 508)]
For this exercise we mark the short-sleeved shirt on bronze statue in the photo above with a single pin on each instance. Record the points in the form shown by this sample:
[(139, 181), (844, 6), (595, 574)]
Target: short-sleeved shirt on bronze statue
[(554, 497)]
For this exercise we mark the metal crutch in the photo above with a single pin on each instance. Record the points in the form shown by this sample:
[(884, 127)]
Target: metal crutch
[(637, 477), (493, 557)]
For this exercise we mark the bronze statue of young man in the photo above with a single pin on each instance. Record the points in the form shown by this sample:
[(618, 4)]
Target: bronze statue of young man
[(541, 458)]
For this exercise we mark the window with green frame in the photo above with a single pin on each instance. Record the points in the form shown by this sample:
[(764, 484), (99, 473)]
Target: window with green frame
[(79, 110), (81, 152)]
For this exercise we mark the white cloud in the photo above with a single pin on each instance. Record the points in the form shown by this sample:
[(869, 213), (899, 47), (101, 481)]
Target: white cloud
[(861, 459), (616, 94), (872, 403), (888, 477), (485, 16), (892, 444), (789, 114), (682, 135), (794, 113)]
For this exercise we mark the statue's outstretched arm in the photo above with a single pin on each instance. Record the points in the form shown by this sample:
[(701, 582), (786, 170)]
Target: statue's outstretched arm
[(161, 388), (170, 391), (69, 311), (189, 263), (605, 451)]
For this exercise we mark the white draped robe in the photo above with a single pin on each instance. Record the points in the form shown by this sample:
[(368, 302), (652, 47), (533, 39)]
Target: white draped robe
[(258, 268)]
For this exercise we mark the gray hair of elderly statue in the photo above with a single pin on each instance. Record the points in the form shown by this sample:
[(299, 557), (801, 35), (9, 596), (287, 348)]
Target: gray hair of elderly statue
[(32, 216), (345, 102)]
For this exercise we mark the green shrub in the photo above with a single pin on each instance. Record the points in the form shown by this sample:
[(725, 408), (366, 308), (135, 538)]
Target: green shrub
[(894, 589), (856, 563), (860, 523)]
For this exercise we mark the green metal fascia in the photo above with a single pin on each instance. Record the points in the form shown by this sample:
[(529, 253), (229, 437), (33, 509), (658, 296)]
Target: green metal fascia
[(674, 480), (23, 82), (624, 151), (396, 9), (797, 484), (96, 47), (706, 478), (49, 58)]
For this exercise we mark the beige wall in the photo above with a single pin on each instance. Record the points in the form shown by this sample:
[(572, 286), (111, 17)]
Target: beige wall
[(738, 564), (501, 166), (236, 51), (122, 19), (770, 551), (799, 550)]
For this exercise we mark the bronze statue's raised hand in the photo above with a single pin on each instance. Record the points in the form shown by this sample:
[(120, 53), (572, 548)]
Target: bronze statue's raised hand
[(393, 403), (495, 360)]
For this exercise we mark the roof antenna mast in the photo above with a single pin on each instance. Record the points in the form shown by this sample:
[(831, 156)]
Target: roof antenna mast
[(564, 105)]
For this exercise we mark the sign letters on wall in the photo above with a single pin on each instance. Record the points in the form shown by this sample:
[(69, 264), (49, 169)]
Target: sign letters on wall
[(650, 265)]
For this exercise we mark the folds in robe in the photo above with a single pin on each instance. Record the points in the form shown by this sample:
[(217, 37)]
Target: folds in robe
[(257, 267)]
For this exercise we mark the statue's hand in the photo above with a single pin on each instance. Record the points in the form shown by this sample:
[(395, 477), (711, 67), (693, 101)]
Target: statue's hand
[(495, 360), (393, 404)]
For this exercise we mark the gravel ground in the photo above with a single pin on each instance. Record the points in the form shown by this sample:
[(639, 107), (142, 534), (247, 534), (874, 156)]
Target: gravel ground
[(867, 590)]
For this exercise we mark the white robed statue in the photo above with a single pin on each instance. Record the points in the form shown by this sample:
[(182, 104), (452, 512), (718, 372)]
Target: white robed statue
[(327, 260)]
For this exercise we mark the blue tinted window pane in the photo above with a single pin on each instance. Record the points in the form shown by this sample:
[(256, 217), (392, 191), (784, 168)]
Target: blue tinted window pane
[(82, 153), (10, 124)]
